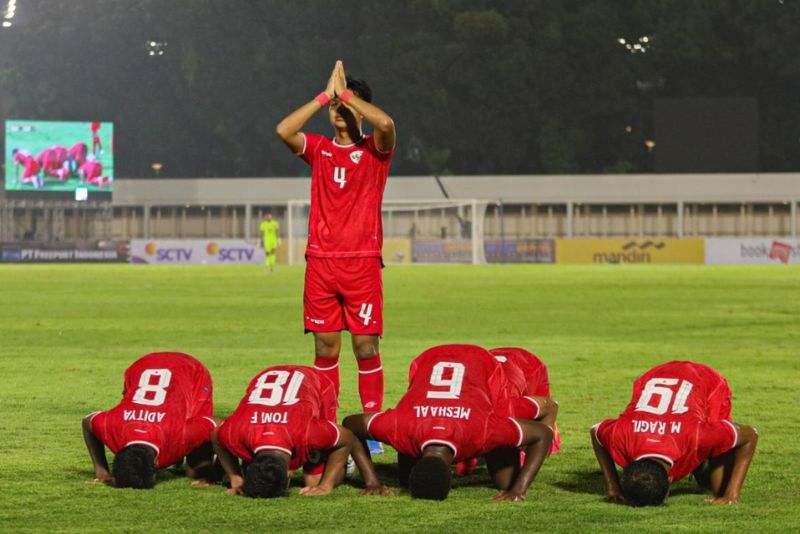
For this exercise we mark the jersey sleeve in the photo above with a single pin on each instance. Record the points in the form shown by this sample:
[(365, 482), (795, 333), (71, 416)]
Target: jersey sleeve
[(382, 156), (718, 437), (603, 432), (381, 426), (230, 437), (322, 435), (310, 144), (506, 432)]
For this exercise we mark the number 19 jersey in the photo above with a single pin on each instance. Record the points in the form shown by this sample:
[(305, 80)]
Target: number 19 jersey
[(289, 408), (166, 404), (679, 413), (347, 184)]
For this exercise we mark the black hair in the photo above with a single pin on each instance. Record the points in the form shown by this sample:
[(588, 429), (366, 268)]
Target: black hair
[(644, 483), (360, 88), (267, 476), (134, 467), (429, 479)]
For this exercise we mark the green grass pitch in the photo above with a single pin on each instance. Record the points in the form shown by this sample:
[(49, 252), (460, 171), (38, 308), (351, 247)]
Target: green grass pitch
[(68, 332)]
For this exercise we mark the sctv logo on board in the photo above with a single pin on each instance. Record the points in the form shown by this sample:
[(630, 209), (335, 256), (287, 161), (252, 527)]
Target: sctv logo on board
[(168, 254), (230, 254)]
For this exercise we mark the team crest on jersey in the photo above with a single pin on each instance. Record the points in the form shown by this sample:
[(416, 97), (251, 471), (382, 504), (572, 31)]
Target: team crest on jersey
[(356, 155)]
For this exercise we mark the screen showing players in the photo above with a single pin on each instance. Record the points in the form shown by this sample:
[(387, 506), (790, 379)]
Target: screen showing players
[(43, 156)]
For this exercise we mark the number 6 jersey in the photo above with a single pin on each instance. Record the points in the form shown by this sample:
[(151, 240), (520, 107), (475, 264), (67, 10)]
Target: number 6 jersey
[(680, 413), (166, 404), (456, 397), (290, 408)]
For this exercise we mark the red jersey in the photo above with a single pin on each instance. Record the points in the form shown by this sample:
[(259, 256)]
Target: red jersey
[(347, 184), (534, 371), (77, 153), (679, 413), (290, 408), (166, 403), (91, 169), (456, 397)]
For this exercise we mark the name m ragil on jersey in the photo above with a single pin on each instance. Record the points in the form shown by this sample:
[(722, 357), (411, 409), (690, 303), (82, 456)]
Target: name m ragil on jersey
[(449, 412), (143, 415), (263, 418), (656, 427)]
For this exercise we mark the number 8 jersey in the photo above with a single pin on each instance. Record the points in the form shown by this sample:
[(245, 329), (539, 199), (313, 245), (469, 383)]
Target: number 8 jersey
[(166, 404), (290, 408), (680, 413)]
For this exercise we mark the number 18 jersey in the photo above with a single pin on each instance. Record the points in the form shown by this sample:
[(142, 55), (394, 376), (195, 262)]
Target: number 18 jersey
[(679, 413), (166, 404), (289, 408), (347, 184)]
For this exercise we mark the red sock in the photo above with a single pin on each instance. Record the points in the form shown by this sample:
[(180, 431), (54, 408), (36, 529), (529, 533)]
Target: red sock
[(330, 368), (370, 383)]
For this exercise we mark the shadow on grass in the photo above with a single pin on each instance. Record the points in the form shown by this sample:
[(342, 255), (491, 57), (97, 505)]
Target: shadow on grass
[(587, 481)]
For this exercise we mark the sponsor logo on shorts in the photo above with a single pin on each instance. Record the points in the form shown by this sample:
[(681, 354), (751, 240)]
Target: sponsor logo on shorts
[(315, 321)]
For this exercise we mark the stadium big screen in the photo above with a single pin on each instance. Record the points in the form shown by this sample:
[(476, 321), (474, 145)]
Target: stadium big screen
[(52, 156)]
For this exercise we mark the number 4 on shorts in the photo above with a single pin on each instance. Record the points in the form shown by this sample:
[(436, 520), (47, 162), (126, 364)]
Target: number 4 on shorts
[(366, 313)]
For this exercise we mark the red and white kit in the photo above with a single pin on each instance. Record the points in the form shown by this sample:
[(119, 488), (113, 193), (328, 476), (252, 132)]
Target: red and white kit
[(343, 287), (167, 404), (289, 408), (679, 413), (456, 397)]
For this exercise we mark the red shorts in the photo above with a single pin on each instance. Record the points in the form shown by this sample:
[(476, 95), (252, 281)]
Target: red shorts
[(343, 294)]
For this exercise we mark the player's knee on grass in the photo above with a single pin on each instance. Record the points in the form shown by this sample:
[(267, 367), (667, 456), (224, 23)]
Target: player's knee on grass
[(134, 467), (266, 477), (644, 483), (429, 479)]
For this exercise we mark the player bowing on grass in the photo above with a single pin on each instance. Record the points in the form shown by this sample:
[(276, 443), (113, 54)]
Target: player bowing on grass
[(456, 408), (166, 413), (528, 381), (678, 418), (287, 420), (343, 287)]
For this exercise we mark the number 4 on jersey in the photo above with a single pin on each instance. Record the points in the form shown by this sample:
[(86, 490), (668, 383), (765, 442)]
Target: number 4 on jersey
[(338, 176)]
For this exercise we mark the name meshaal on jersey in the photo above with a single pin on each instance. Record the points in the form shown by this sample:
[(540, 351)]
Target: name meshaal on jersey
[(450, 412)]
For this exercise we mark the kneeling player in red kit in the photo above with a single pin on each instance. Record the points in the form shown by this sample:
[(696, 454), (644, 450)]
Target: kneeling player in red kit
[(456, 408), (166, 413), (287, 420), (677, 421)]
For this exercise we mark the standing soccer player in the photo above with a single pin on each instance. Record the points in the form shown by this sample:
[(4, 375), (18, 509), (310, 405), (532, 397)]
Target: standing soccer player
[(679, 418), (166, 413), (343, 286), (269, 233)]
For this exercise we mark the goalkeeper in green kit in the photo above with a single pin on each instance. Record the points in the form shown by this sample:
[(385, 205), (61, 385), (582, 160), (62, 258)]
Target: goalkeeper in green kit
[(269, 233)]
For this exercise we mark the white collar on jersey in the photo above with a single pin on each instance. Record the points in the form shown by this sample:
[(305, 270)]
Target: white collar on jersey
[(351, 144)]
